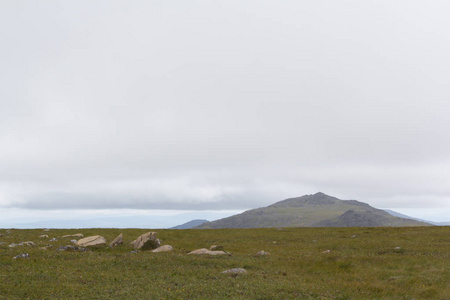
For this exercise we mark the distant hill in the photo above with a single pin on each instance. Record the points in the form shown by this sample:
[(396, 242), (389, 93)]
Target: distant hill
[(397, 214), (190, 224), (318, 210)]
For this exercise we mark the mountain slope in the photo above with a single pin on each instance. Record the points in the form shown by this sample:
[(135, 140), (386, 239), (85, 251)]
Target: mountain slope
[(318, 210), (190, 224)]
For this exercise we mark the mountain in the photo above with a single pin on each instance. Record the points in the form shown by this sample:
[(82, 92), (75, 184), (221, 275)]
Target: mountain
[(318, 210), (397, 214), (190, 224)]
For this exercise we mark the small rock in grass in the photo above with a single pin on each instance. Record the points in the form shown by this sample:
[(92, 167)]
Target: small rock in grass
[(262, 253), (53, 240), (94, 240), (135, 251), (71, 248), (46, 229), (206, 251), (117, 241), (326, 251), (43, 236), (353, 236), (397, 248), (235, 271), (146, 241), (164, 248), (216, 248), (23, 255), (73, 241), (73, 235), (22, 244)]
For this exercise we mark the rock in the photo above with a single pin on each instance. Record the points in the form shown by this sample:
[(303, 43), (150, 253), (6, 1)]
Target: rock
[(43, 236), (1, 235), (72, 248), (94, 240), (117, 241), (262, 253), (135, 251), (22, 244), (53, 240), (165, 248), (216, 248), (73, 241), (206, 251), (146, 241), (46, 229), (353, 236), (23, 255), (397, 248), (326, 251), (73, 235), (235, 271)]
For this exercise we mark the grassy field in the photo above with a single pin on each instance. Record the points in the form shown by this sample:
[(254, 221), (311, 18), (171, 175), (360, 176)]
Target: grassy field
[(363, 263)]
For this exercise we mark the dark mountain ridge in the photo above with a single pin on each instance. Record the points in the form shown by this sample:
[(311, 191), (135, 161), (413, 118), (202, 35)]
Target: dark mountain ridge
[(317, 210)]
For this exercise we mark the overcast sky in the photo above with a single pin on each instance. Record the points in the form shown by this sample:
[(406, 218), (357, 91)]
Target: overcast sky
[(224, 105)]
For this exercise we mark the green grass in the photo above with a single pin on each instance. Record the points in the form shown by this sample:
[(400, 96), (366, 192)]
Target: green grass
[(365, 267)]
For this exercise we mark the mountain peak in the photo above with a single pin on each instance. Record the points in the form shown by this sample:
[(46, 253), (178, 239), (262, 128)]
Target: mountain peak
[(315, 210)]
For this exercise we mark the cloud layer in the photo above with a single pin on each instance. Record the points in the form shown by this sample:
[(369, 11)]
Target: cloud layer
[(197, 105)]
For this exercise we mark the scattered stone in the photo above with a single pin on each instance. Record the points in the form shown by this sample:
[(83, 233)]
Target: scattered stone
[(31, 244), (262, 253), (71, 248), (46, 229), (146, 241), (216, 248), (235, 271), (23, 255), (53, 240), (43, 236), (73, 241), (206, 251), (326, 251), (73, 235), (135, 251), (353, 236), (165, 248), (117, 241), (397, 248), (94, 240)]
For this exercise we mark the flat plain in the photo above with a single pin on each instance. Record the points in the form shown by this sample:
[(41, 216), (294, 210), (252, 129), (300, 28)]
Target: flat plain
[(362, 263)]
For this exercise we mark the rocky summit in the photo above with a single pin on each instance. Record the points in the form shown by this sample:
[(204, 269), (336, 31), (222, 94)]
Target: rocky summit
[(317, 210)]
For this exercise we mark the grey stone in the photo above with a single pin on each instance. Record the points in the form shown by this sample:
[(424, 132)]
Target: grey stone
[(94, 240), (216, 248), (23, 255), (235, 271), (146, 241), (165, 248), (206, 251), (262, 253), (72, 248), (117, 241)]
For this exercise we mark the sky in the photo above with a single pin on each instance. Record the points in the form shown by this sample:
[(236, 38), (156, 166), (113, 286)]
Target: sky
[(137, 107)]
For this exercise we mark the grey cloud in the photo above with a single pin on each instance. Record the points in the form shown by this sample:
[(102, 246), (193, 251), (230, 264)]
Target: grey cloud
[(254, 101)]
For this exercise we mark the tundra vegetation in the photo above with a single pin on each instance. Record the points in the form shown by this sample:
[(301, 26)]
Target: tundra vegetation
[(306, 263)]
